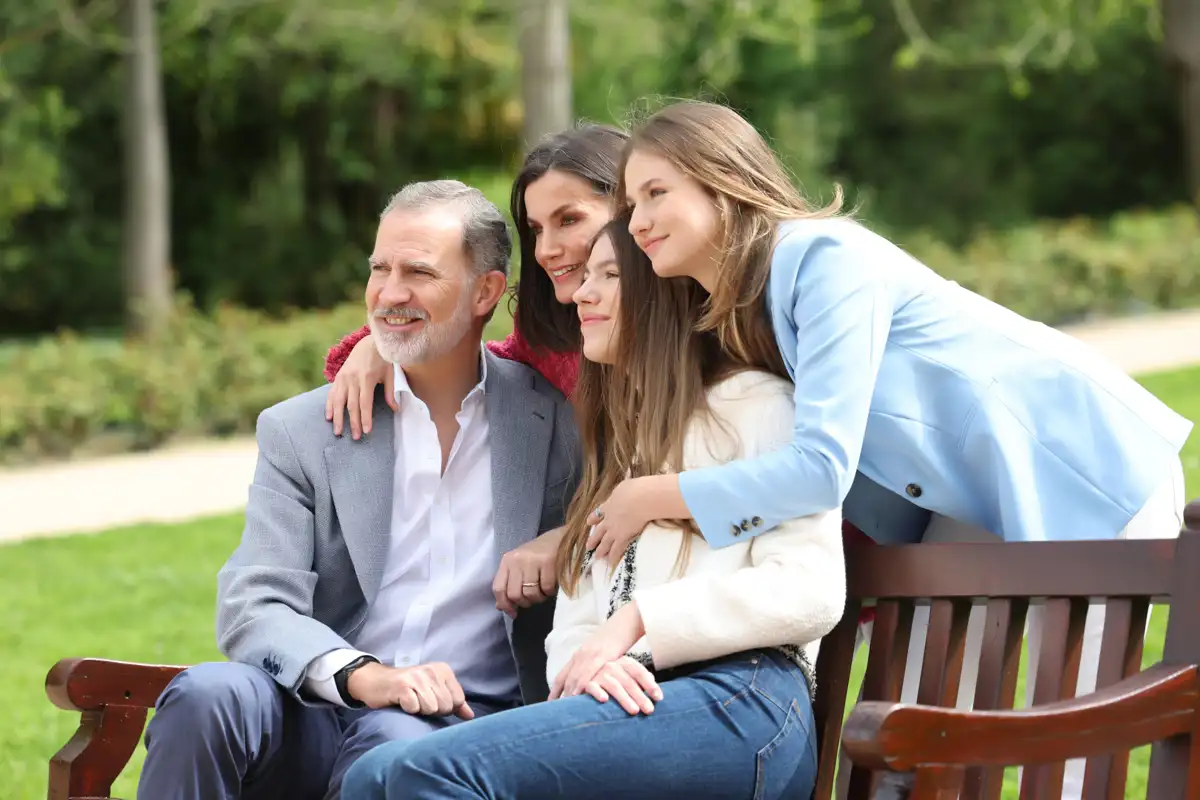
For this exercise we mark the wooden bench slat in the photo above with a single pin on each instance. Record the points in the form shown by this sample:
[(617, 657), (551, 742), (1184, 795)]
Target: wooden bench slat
[(884, 676), (944, 648), (1120, 657), (1056, 677), (1122, 568), (834, 659), (888, 652), (996, 685)]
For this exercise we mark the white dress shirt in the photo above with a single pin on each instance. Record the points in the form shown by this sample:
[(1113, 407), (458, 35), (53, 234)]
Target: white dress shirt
[(435, 602)]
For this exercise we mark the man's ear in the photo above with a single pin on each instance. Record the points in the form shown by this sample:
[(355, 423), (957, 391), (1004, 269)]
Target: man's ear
[(489, 289)]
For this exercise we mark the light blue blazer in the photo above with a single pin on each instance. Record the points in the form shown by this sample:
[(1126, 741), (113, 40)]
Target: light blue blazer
[(914, 395)]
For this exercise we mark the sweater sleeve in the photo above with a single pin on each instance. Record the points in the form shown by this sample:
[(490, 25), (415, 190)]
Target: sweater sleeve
[(841, 309), (792, 592), (341, 351), (561, 369), (575, 619), (511, 347)]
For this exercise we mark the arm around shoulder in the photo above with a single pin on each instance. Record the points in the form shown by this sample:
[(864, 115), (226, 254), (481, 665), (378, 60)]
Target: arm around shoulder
[(831, 298)]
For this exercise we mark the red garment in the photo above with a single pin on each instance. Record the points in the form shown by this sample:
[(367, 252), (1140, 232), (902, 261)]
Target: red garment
[(341, 351), (852, 535), (562, 370)]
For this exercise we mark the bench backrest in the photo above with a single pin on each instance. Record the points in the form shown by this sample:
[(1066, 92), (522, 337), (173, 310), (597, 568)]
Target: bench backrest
[(1062, 576)]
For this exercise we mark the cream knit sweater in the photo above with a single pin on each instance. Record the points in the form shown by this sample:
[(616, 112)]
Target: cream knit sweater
[(783, 587)]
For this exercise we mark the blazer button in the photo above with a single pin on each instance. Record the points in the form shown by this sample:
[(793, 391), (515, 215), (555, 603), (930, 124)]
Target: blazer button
[(756, 522), (913, 490), (736, 530), (745, 524)]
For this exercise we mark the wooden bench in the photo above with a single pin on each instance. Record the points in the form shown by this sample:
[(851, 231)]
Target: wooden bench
[(946, 752), (949, 753)]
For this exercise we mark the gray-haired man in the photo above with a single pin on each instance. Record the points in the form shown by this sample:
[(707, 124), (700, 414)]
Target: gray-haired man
[(359, 608)]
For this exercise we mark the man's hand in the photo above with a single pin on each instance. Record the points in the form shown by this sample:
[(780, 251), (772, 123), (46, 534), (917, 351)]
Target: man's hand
[(529, 574), (429, 689)]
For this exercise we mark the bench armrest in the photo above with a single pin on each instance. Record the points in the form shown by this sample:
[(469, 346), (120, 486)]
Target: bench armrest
[(1153, 705), (88, 684), (113, 698)]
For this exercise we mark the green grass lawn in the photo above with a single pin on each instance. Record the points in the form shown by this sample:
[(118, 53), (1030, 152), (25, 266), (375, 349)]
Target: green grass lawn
[(147, 594)]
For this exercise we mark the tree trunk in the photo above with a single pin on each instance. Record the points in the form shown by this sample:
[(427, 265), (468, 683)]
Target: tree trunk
[(545, 67), (1181, 40), (148, 284)]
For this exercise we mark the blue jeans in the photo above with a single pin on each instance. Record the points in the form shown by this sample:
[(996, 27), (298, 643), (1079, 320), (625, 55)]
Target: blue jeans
[(737, 727)]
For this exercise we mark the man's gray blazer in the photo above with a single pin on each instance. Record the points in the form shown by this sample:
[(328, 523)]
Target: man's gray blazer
[(319, 516)]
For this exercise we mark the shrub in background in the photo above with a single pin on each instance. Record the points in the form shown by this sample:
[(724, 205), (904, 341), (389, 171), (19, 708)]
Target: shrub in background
[(213, 374)]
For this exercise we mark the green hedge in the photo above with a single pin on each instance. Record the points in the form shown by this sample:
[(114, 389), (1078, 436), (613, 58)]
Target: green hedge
[(213, 374), (208, 376), (1067, 271)]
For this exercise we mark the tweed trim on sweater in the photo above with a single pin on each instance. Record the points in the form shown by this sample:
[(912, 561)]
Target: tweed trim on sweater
[(621, 592)]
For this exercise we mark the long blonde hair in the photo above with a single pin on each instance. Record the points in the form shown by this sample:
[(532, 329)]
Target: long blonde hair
[(729, 158), (633, 415)]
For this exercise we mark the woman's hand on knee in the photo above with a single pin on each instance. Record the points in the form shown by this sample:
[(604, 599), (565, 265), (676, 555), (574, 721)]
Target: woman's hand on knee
[(353, 389), (629, 683)]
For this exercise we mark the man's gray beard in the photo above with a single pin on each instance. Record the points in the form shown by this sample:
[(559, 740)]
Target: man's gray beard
[(431, 343)]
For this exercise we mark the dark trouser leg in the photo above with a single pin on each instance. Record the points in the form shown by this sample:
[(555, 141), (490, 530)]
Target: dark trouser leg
[(223, 731)]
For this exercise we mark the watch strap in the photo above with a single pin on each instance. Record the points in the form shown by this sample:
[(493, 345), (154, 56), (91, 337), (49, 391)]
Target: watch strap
[(341, 680)]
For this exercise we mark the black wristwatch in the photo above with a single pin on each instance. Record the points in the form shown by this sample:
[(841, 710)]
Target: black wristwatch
[(341, 679)]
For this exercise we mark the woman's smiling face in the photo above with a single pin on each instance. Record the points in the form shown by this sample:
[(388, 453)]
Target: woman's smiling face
[(598, 301), (564, 213), (673, 219)]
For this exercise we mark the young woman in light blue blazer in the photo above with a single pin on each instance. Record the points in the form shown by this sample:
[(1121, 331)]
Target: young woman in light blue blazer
[(920, 406)]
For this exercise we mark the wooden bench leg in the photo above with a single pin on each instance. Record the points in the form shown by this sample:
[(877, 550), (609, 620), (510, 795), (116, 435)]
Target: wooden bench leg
[(85, 768)]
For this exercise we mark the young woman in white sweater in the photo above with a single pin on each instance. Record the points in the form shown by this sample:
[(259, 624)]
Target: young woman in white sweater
[(686, 671)]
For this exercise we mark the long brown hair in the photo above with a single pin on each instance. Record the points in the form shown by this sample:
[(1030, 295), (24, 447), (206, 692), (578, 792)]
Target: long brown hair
[(725, 154), (633, 415)]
